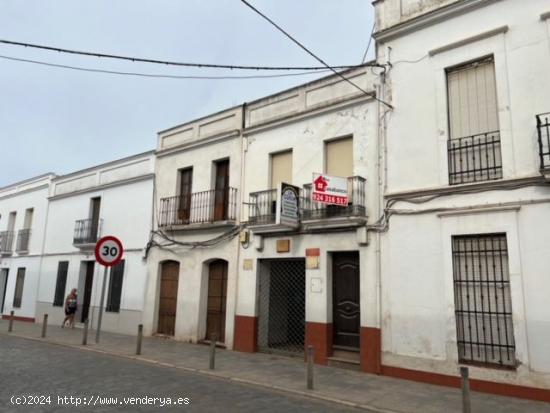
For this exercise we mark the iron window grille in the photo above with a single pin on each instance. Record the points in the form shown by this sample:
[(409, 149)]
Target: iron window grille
[(483, 304), (475, 158), (199, 207), (61, 283), (262, 207), (86, 231), (23, 238), (115, 288), (543, 129), (6, 242), (19, 283)]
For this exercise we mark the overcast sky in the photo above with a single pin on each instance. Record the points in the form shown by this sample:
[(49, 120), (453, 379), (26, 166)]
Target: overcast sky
[(57, 120)]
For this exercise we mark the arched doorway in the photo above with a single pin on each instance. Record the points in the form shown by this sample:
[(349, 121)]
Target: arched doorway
[(217, 297), (168, 299)]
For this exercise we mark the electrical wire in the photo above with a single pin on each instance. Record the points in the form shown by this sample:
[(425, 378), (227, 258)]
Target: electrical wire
[(155, 75), (332, 68), (174, 63), (369, 43)]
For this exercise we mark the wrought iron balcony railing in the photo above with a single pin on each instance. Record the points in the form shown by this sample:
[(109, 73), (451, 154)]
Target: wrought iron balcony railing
[(23, 238), (543, 128), (200, 207), (475, 158), (262, 206), (356, 206), (86, 231), (6, 242)]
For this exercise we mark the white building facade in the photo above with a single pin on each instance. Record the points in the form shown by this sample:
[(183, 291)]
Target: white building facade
[(115, 198), (192, 259), (465, 255), (23, 214)]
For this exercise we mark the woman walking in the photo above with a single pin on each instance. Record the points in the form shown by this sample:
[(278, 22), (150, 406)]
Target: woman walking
[(70, 308)]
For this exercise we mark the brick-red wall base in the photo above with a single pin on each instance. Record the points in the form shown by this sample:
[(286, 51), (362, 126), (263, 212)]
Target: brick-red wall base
[(371, 350), (246, 334), (319, 335), (17, 318), (483, 386)]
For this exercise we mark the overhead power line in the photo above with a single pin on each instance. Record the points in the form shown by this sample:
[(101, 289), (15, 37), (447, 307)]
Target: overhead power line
[(172, 63), (157, 75), (369, 43), (332, 68)]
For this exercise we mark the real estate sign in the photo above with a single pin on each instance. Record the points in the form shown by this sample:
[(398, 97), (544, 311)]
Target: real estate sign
[(330, 189), (288, 207)]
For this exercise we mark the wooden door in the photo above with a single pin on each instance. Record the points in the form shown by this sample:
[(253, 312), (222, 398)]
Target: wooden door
[(217, 297), (94, 228), (221, 191), (345, 299), (184, 204), (88, 284), (168, 300)]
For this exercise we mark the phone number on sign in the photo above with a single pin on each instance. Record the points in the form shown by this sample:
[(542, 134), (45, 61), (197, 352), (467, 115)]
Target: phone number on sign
[(94, 400)]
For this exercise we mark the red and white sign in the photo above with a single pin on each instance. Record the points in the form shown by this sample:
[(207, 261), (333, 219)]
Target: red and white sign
[(108, 251), (330, 189)]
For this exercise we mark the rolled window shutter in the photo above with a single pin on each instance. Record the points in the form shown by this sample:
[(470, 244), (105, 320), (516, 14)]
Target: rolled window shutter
[(281, 168), (339, 157)]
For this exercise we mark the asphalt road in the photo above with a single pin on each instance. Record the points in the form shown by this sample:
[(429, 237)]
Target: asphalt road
[(31, 371)]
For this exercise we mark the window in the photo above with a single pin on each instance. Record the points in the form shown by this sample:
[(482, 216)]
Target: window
[(474, 137), (115, 287), (61, 283), (339, 157), (483, 307), (18, 296), (281, 168)]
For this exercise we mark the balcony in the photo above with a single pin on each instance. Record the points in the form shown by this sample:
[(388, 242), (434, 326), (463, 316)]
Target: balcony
[(6, 242), (262, 209), (23, 238), (475, 158), (206, 207), (543, 129), (86, 232)]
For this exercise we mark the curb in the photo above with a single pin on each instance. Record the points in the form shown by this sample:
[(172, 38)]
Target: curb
[(211, 374)]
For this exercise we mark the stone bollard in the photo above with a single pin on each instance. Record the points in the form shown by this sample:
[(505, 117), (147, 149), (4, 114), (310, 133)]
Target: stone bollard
[(85, 334), (44, 326), (139, 339), (465, 381), (309, 372), (10, 325), (212, 351)]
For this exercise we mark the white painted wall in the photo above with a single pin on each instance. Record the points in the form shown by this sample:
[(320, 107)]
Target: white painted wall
[(418, 324)]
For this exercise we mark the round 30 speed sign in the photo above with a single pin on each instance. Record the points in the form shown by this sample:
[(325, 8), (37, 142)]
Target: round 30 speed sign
[(108, 251)]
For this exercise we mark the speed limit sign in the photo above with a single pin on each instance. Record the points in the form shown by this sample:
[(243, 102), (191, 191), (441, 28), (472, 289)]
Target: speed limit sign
[(108, 251)]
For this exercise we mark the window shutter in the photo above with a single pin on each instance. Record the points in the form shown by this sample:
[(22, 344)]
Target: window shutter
[(61, 283), (339, 157), (115, 287), (281, 168), (472, 99)]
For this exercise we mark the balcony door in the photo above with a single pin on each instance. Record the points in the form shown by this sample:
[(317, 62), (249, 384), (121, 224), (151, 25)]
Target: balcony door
[(94, 215), (221, 190), (184, 204)]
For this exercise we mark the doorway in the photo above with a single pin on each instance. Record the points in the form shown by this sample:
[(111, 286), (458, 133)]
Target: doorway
[(168, 299), (346, 316), (217, 298), (281, 311), (88, 284), (221, 191), (3, 284)]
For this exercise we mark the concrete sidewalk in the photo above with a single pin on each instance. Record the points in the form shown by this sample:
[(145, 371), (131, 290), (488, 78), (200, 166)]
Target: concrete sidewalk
[(352, 388)]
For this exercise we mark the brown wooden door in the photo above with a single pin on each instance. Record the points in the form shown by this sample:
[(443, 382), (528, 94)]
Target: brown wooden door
[(94, 228), (345, 299), (221, 190), (88, 284), (168, 300), (184, 204), (217, 297)]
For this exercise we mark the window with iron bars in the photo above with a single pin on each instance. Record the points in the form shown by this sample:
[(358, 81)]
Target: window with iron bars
[(483, 304)]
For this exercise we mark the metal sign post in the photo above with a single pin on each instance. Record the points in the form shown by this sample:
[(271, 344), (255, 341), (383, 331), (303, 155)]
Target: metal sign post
[(108, 252)]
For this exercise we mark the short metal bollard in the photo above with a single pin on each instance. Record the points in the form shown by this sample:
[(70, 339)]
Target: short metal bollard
[(44, 326), (309, 374), (10, 325), (139, 339), (85, 334), (466, 401), (212, 351)]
